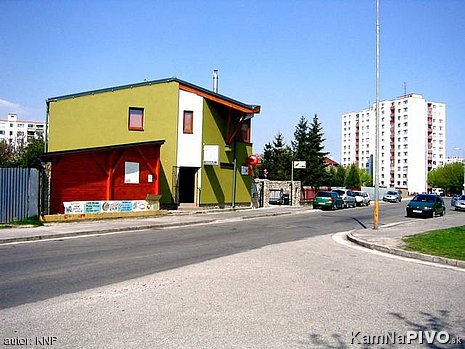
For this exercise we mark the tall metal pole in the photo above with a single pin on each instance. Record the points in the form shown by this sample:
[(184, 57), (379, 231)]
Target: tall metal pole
[(292, 182), (376, 205)]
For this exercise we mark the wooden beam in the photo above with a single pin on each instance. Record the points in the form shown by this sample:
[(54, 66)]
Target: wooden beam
[(220, 100)]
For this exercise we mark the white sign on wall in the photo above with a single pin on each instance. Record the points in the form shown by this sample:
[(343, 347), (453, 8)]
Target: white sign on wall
[(211, 154), (131, 172)]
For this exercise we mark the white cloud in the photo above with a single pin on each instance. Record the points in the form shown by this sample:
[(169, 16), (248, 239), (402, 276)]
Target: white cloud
[(23, 112)]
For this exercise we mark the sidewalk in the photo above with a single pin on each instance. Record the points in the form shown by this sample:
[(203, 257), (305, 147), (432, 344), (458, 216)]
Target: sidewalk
[(388, 238)]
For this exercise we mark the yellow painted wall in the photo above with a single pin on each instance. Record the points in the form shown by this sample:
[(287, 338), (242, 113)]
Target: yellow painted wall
[(101, 119), (217, 180)]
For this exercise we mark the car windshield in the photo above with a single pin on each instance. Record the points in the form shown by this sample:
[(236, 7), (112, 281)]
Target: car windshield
[(462, 197), (340, 192), (391, 193), (357, 193), (323, 194), (424, 198)]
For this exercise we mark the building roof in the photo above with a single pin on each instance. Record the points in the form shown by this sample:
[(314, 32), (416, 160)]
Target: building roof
[(55, 154), (331, 162), (183, 85)]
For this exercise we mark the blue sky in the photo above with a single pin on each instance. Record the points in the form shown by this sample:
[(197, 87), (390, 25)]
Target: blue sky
[(291, 57)]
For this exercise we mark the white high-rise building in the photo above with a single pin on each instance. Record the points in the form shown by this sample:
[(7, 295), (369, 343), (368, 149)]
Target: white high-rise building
[(19, 133), (412, 140)]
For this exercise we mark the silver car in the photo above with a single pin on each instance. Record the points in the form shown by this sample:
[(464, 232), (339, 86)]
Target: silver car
[(459, 204), (347, 197), (362, 198), (392, 196)]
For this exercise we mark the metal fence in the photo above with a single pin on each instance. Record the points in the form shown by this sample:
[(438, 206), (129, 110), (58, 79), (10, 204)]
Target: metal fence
[(19, 194)]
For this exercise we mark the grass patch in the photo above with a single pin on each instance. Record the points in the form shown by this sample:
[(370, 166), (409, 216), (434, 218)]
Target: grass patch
[(449, 243), (34, 221)]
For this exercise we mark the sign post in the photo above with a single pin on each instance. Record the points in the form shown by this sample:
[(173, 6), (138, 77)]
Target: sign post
[(295, 164)]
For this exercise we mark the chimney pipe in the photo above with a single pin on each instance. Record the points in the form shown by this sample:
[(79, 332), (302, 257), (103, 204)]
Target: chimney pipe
[(215, 81)]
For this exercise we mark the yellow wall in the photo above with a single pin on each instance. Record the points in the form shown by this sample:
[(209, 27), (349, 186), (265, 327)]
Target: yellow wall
[(101, 119), (217, 180)]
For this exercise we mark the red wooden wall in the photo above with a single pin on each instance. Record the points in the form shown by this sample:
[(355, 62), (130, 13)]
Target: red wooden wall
[(99, 175)]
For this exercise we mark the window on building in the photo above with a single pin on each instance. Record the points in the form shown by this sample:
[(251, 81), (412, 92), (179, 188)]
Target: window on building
[(188, 122), (245, 132), (136, 119)]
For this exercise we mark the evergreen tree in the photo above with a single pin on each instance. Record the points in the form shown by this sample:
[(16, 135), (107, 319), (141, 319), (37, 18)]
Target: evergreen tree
[(340, 176), (277, 160), (316, 166), (352, 180), (331, 177), (301, 148)]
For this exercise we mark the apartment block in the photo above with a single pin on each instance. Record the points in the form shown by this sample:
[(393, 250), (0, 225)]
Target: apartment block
[(19, 133), (412, 140)]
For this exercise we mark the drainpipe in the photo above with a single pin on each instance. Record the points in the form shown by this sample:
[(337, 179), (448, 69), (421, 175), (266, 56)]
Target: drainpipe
[(234, 174)]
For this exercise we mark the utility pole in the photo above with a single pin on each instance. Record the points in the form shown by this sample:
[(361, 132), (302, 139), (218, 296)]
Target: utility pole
[(376, 205)]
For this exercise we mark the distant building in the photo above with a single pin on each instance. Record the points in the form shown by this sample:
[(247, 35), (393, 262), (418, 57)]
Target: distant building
[(19, 133), (452, 159), (331, 163), (412, 140)]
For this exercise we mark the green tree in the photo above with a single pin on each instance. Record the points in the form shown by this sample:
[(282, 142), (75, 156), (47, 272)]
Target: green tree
[(8, 154), (340, 176), (31, 153), (316, 173), (301, 148), (28, 156), (352, 179), (365, 178), (449, 177), (277, 160), (331, 177)]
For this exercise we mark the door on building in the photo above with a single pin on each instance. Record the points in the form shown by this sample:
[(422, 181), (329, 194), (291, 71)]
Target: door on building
[(187, 185)]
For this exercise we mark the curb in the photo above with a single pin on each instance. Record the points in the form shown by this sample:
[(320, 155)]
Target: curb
[(134, 228), (407, 254)]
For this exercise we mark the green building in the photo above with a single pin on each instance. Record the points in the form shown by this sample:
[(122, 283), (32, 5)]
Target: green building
[(207, 136)]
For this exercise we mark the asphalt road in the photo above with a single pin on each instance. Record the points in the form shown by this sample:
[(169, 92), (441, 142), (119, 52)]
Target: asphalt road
[(277, 282), (37, 271)]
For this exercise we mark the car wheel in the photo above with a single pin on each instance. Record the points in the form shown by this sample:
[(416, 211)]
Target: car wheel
[(431, 215)]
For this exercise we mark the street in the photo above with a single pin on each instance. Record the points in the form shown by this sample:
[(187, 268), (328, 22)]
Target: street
[(275, 282)]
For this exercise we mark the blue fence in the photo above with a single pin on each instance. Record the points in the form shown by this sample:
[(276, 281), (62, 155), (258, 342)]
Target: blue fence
[(19, 194)]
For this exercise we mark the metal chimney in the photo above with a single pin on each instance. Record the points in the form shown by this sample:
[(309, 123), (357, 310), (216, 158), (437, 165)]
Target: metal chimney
[(215, 81)]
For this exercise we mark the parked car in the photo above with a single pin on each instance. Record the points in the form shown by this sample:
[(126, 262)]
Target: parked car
[(426, 205), (459, 204), (347, 197), (362, 198), (276, 197), (392, 196), (454, 199), (327, 200)]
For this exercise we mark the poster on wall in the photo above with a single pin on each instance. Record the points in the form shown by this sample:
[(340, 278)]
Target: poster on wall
[(82, 207), (131, 172)]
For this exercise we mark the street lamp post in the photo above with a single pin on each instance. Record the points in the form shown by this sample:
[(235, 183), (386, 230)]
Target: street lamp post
[(376, 169)]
